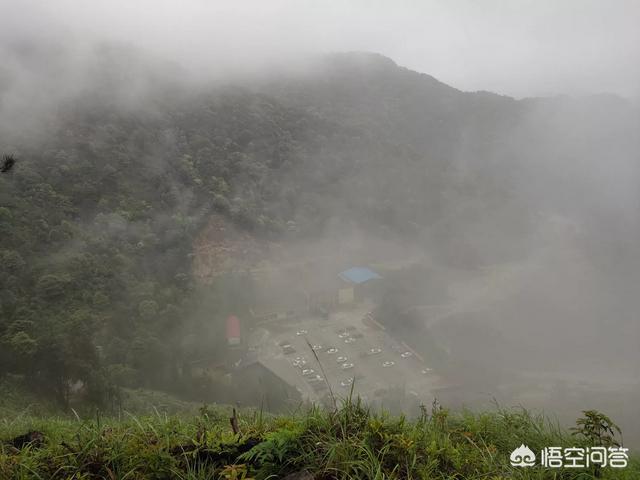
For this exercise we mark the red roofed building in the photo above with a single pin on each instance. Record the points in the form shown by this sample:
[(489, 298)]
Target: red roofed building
[(233, 330)]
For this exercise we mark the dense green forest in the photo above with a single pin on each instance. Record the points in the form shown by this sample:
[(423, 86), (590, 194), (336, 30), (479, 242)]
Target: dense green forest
[(100, 211)]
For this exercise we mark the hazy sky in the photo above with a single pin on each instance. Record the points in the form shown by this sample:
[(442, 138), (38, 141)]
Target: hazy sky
[(515, 47)]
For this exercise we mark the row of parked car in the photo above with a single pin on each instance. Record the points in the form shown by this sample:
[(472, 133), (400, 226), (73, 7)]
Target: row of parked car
[(347, 335)]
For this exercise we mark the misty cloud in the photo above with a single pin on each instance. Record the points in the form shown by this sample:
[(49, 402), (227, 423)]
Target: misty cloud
[(520, 48)]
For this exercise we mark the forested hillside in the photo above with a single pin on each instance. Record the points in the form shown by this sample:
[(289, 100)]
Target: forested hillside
[(100, 211)]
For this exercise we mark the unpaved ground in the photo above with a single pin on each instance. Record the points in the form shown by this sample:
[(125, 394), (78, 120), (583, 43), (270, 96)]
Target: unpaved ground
[(370, 375), (221, 248)]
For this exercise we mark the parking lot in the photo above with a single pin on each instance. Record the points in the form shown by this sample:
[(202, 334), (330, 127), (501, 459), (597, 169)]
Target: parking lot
[(350, 353)]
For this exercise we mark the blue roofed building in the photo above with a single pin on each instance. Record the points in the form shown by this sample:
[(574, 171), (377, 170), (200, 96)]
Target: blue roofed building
[(356, 284), (358, 275)]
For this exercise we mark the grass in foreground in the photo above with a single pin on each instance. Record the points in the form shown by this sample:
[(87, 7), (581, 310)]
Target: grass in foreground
[(350, 443)]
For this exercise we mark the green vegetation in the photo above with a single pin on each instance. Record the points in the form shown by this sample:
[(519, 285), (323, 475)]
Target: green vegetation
[(100, 210), (98, 223), (350, 443)]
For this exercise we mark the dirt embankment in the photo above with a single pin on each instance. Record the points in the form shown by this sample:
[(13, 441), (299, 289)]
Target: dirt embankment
[(222, 248)]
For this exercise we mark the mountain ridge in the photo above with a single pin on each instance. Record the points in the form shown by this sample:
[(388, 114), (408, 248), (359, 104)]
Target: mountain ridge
[(101, 211)]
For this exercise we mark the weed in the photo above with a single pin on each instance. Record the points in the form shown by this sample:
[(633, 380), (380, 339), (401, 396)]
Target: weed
[(351, 442)]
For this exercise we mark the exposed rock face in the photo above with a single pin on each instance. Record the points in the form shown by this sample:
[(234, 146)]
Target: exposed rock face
[(222, 248)]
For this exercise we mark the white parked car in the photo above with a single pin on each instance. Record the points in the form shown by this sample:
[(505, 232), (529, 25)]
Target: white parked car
[(347, 383), (406, 354), (388, 364), (332, 350), (315, 348), (341, 359), (301, 332), (346, 366), (375, 351), (349, 340), (308, 372)]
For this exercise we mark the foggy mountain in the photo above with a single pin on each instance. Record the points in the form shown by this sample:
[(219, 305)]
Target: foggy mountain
[(124, 163)]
